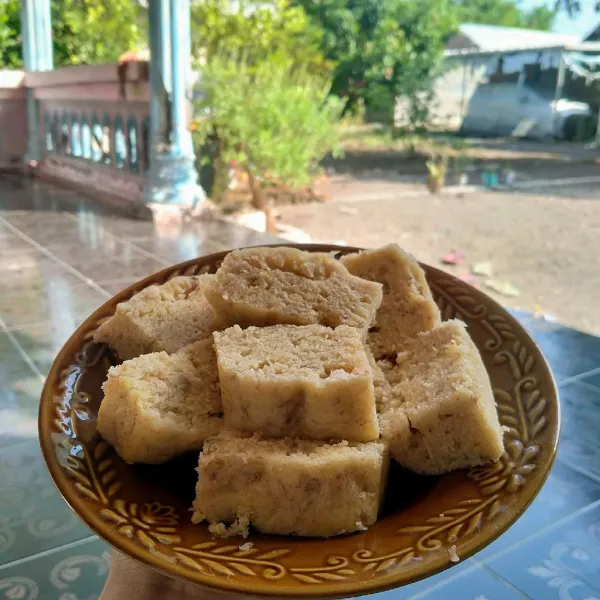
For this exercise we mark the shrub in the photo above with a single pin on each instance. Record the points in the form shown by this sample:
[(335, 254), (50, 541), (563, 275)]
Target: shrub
[(274, 120)]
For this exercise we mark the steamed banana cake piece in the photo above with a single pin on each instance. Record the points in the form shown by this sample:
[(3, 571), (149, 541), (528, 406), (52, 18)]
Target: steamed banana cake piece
[(297, 380), (441, 414), (380, 382), (268, 286), (163, 317), (160, 405), (407, 307), (289, 486)]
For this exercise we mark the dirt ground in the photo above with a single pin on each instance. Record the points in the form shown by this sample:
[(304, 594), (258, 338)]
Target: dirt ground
[(544, 237)]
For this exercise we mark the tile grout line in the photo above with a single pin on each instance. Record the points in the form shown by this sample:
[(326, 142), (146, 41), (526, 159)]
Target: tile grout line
[(588, 386), (509, 584), (44, 553), (118, 238), (540, 532), (56, 259), (436, 586), (579, 376), (580, 470), (21, 350), (22, 326), (11, 445), (128, 280)]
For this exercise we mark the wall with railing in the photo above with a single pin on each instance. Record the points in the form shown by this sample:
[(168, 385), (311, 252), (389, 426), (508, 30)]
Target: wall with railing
[(94, 126), (13, 119)]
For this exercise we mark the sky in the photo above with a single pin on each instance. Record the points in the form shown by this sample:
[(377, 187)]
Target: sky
[(580, 25)]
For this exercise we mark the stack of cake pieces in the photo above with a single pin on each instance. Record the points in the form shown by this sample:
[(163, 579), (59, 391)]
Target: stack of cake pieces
[(296, 375)]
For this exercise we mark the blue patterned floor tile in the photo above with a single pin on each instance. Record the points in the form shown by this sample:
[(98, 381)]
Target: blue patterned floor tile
[(562, 563), (580, 433), (419, 587), (565, 492), (475, 584), (521, 315), (77, 571), (33, 516), (19, 405), (62, 304), (593, 379), (582, 457), (12, 364), (568, 351), (42, 342)]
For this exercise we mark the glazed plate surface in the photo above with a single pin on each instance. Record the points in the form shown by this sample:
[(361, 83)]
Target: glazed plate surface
[(427, 522)]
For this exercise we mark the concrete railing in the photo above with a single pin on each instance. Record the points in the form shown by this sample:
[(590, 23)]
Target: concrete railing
[(94, 126), (13, 119)]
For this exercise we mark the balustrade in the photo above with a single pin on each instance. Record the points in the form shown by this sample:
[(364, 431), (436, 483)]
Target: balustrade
[(94, 125)]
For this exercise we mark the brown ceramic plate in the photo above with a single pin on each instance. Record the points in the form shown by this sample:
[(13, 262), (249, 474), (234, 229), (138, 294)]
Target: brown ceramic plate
[(144, 510)]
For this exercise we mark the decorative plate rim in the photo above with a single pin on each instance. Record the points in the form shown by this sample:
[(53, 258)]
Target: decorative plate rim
[(332, 588)]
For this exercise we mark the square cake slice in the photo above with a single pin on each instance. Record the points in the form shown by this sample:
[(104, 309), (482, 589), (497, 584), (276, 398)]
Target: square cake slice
[(298, 381), (160, 405), (161, 318), (380, 383), (441, 414), (289, 486), (269, 286), (407, 307)]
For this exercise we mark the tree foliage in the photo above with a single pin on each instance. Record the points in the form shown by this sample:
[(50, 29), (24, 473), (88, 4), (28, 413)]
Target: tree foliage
[(257, 30), (382, 48), (573, 7), (83, 31), (506, 13)]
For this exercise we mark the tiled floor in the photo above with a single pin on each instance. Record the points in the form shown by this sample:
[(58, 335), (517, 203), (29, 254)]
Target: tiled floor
[(61, 256)]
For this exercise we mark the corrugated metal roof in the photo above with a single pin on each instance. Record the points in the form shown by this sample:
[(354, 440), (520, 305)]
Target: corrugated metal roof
[(594, 34), (490, 38)]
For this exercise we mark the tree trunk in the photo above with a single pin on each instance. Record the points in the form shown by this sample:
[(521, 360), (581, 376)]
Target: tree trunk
[(221, 174), (259, 201)]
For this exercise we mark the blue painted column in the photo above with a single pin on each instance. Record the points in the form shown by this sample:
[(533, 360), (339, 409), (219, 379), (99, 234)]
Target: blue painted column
[(36, 34), (172, 178)]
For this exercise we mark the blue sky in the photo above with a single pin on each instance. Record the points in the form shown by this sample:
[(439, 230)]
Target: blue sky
[(579, 25)]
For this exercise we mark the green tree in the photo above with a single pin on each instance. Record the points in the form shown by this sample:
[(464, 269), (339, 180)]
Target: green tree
[(258, 30), (383, 48), (573, 7), (84, 31), (507, 13), (10, 34)]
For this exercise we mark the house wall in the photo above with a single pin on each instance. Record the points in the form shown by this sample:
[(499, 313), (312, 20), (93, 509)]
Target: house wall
[(13, 119), (491, 94)]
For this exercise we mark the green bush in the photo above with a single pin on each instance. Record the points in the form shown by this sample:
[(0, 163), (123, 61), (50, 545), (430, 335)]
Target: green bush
[(275, 121)]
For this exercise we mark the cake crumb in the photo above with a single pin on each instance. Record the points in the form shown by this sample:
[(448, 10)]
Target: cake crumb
[(247, 546), (238, 527), (453, 555)]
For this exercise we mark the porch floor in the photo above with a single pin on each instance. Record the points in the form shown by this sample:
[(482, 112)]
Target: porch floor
[(62, 255)]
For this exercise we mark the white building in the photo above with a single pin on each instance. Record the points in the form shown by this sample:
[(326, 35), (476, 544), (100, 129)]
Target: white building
[(502, 81)]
